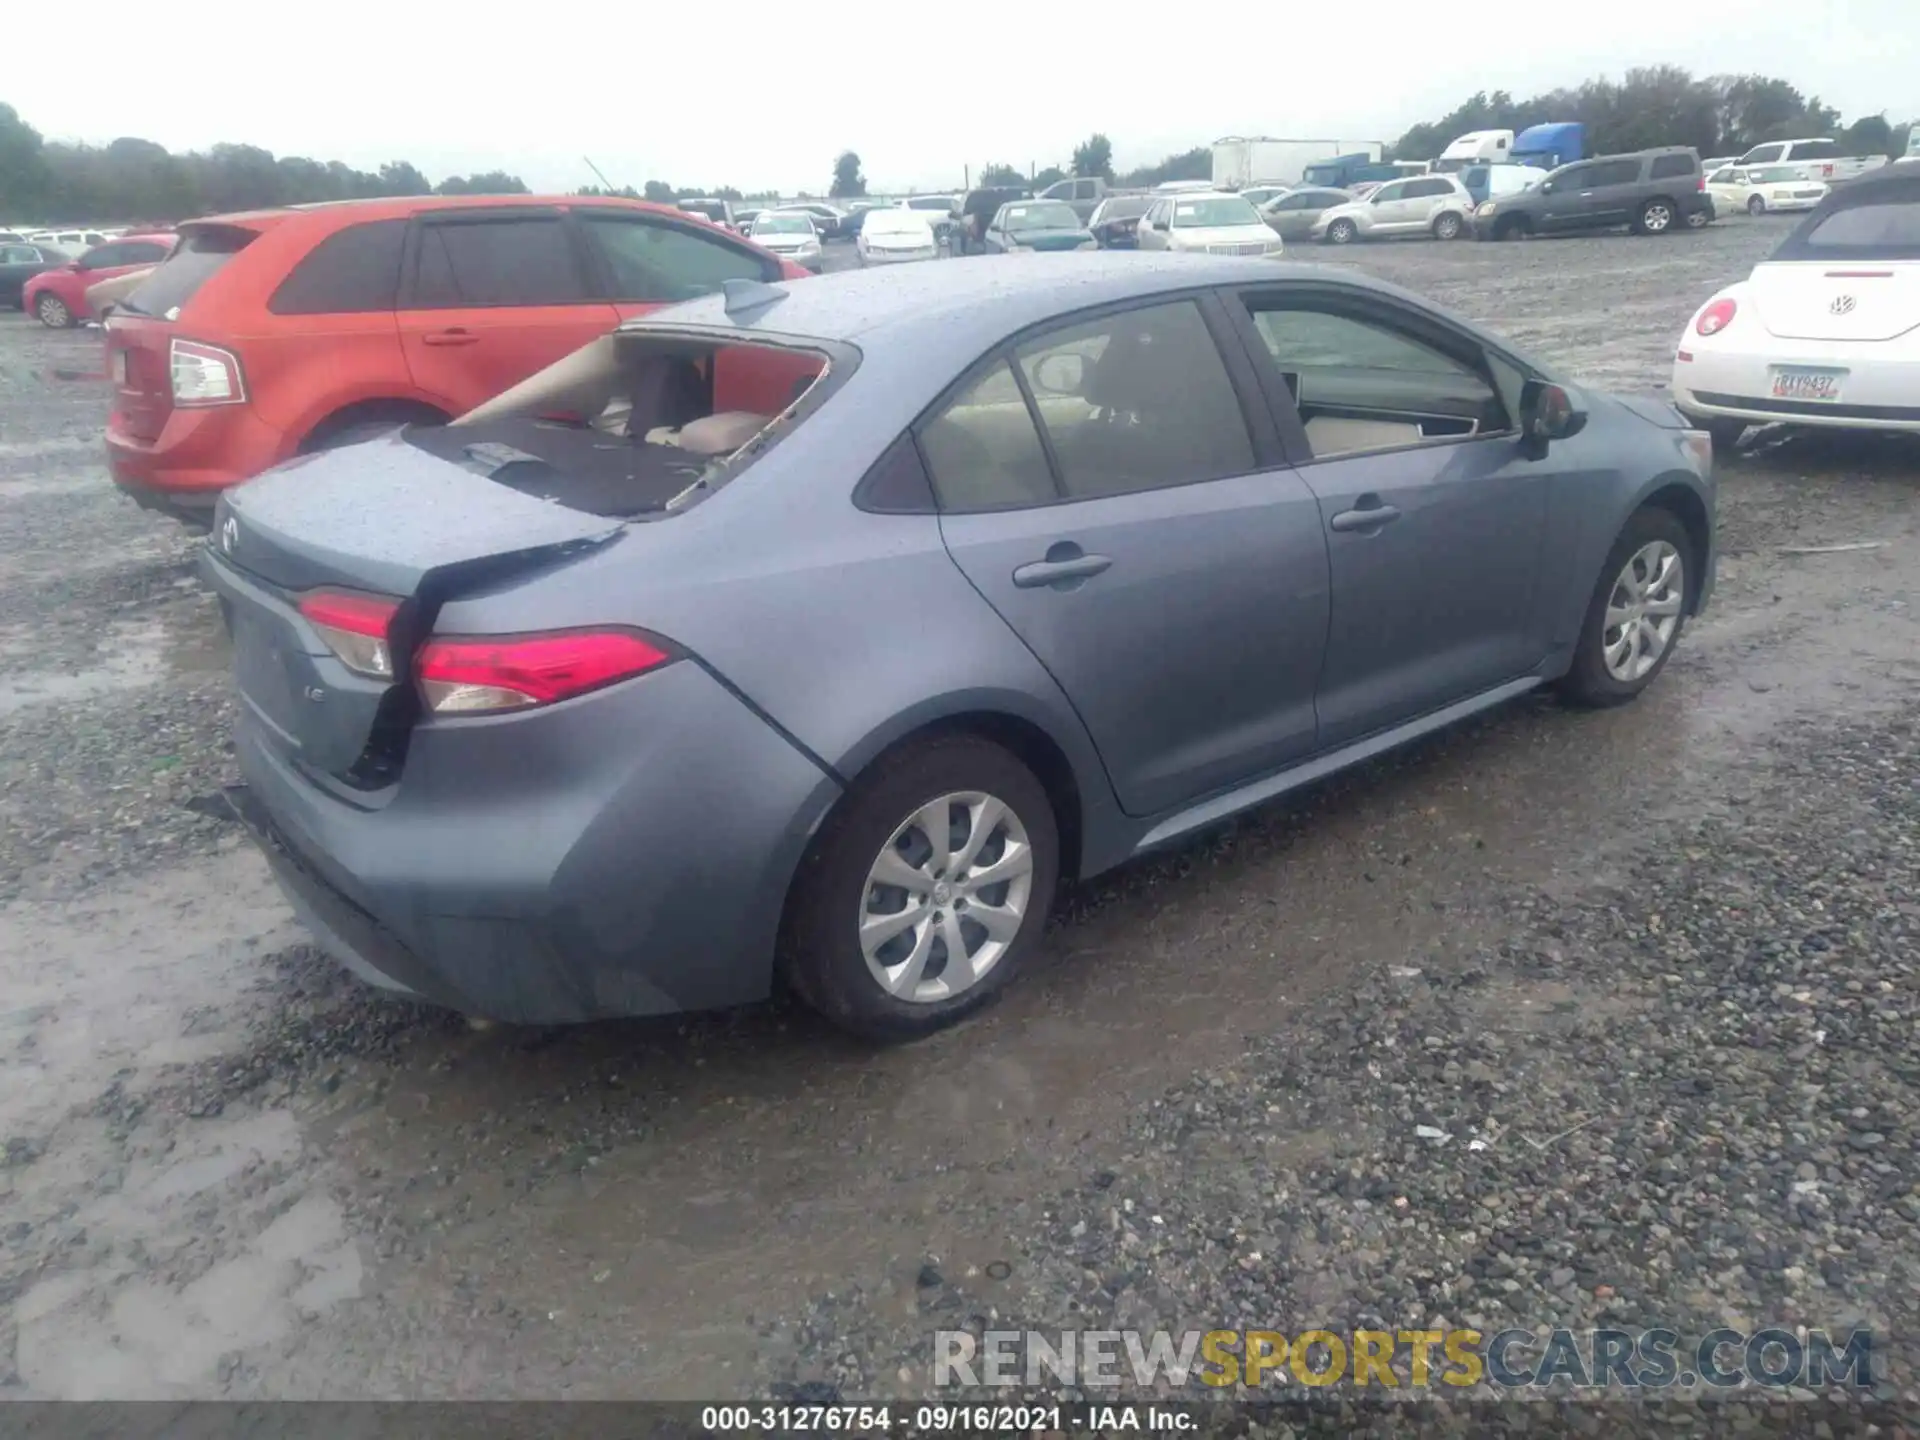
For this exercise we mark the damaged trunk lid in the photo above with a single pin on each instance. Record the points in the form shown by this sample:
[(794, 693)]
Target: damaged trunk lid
[(329, 570)]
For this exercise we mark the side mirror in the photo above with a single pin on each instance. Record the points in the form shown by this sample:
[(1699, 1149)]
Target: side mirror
[(1547, 413), (1063, 373)]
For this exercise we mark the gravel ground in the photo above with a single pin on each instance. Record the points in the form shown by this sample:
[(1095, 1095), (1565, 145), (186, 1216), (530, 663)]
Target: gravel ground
[(1661, 960)]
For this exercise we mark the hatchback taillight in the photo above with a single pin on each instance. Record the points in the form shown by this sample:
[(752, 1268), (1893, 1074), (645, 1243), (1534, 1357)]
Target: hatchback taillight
[(472, 675), (357, 628), (1715, 318), (204, 374)]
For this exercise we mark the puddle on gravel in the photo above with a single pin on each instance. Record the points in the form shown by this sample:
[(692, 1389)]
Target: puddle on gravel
[(133, 656)]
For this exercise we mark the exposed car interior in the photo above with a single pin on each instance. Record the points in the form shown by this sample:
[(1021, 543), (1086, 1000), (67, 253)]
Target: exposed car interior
[(631, 438)]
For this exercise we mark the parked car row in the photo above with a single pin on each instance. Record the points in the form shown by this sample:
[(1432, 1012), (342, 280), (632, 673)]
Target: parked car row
[(53, 286)]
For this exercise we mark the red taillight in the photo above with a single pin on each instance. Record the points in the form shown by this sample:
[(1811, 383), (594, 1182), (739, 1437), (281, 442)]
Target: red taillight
[(357, 628), (204, 374), (1702, 185), (1715, 318), (473, 675)]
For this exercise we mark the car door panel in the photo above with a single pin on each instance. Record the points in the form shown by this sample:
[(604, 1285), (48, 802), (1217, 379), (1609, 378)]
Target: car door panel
[(476, 318), (1192, 654), (1435, 520)]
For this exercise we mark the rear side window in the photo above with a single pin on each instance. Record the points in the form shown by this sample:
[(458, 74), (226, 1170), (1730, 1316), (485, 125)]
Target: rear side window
[(200, 255), (1817, 150), (649, 261), (1612, 172), (983, 451), (1666, 167), (352, 271), (1424, 189), (518, 261), (1137, 401)]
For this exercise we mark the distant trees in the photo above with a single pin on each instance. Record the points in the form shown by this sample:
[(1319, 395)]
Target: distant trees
[(1194, 164), (1094, 156), (487, 182), (1660, 105), (1000, 177), (848, 182)]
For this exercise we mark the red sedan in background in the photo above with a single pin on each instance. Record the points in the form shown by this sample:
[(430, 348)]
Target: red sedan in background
[(58, 298)]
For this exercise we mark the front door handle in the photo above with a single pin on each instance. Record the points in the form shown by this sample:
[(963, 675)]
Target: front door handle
[(1364, 518), (1064, 568), (449, 337)]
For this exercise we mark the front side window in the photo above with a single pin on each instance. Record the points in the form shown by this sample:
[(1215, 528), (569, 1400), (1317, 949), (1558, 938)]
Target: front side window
[(102, 257), (143, 252), (522, 261), (649, 261), (1137, 401), (1614, 172), (1387, 193), (1361, 384)]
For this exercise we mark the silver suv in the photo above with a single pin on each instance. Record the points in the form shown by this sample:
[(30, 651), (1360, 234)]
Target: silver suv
[(1436, 205)]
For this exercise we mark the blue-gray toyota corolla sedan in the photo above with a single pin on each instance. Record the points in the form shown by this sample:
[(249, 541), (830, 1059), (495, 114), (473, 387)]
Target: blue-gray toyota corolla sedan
[(817, 631)]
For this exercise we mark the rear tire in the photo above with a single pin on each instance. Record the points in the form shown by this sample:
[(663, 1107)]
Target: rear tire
[(877, 831), (1605, 661), (1656, 217), (355, 424), (51, 311), (1448, 227)]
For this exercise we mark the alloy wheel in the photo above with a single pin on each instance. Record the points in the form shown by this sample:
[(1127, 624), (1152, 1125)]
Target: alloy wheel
[(1657, 218), (1447, 227), (946, 897), (1342, 232), (1643, 611), (52, 311)]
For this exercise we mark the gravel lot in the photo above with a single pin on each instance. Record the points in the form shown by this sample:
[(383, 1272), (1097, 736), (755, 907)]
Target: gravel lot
[(1663, 960)]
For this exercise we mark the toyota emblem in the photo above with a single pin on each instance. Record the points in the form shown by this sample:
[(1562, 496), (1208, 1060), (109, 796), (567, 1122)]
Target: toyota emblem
[(229, 535), (1842, 305)]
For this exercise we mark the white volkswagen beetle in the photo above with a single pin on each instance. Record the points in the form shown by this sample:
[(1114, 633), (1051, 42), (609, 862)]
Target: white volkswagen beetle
[(1826, 331)]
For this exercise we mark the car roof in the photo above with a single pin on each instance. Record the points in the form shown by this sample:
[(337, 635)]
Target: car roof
[(961, 308), (395, 207)]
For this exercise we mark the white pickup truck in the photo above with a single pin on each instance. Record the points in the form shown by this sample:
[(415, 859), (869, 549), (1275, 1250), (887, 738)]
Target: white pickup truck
[(1823, 159)]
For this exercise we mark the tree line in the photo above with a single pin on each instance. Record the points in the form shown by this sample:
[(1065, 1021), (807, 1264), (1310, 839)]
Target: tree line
[(1664, 105), (130, 179)]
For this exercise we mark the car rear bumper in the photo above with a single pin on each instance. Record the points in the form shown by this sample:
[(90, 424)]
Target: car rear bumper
[(1876, 394), (625, 853), (197, 454)]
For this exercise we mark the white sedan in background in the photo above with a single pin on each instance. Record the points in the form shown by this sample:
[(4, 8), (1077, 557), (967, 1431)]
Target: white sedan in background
[(1763, 188), (1213, 223), (1826, 331), (890, 236), (790, 235)]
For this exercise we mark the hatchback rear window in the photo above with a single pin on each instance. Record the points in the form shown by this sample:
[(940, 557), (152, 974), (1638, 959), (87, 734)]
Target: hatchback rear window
[(200, 255), (1888, 230)]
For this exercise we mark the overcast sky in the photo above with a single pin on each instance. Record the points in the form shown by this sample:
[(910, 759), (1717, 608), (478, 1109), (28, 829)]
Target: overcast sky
[(762, 95)]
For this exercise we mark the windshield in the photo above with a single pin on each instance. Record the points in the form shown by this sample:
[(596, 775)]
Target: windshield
[(1042, 215), (930, 202), (895, 222), (782, 225), (1214, 211)]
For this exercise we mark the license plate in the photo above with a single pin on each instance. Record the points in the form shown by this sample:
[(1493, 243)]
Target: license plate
[(1792, 383)]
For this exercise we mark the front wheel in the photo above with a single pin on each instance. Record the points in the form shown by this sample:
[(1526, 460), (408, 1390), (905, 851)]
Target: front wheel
[(1756, 205), (52, 312), (925, 891), (1514, 227), (1447, 227), (1637, 612), (1343, 232)]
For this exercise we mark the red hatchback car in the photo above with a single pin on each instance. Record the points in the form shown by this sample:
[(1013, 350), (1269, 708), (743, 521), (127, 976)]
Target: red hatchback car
[(276, 332), (58, 298)]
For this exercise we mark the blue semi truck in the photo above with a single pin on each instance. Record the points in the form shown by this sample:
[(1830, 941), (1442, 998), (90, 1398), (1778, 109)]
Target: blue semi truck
[(1548, 147)]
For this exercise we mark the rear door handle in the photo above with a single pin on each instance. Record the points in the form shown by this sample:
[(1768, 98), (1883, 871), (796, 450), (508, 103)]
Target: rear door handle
[(449, 337), (1364, 518), (1065, 566)]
